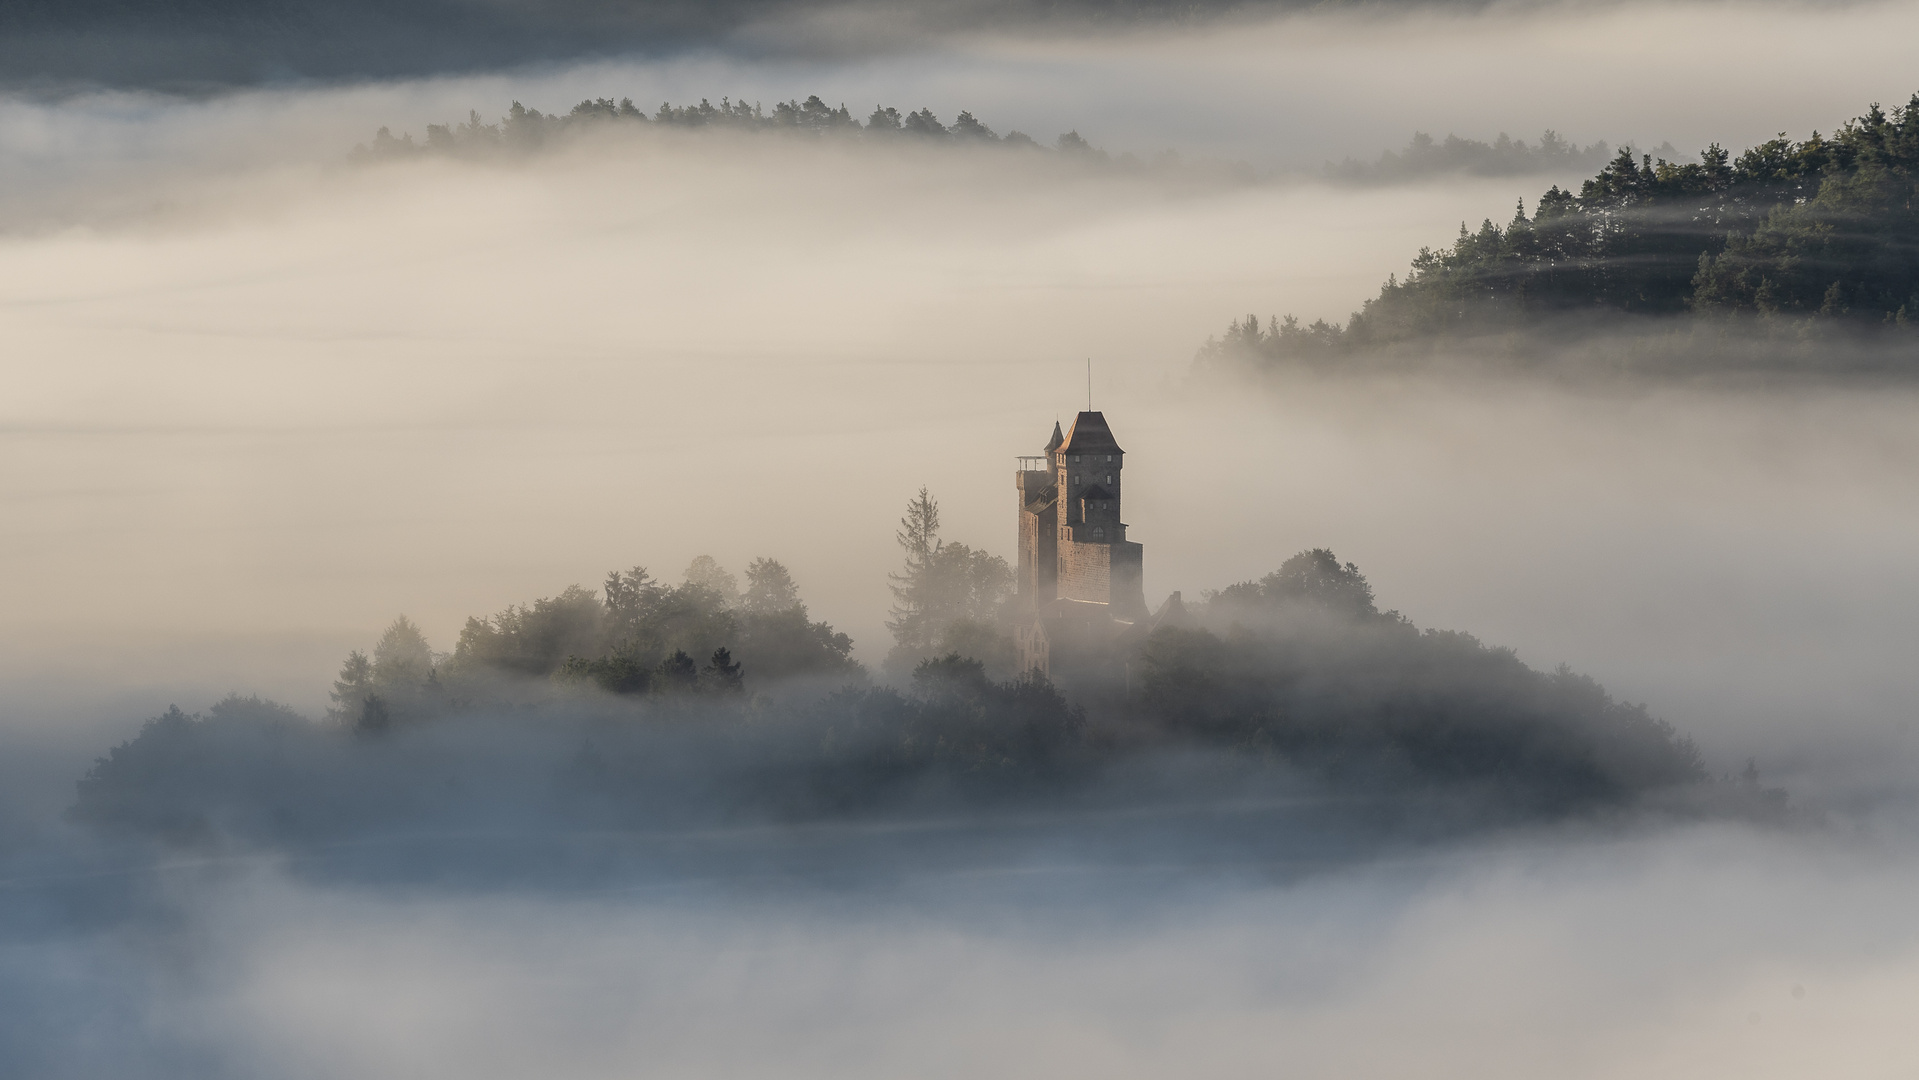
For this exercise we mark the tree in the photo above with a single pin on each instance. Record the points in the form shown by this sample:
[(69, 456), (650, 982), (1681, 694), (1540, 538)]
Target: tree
[(918, 537), (925, 123), (939, 585), (401, 673), (1314, 578), (722, 675), (622, 673), (777, 639), (709, 574), (677, 673), (981, 641), (402, 655), (769, 588), (352, 688), (780, 644), (966, 127), (1317, 577), (631, 599), (374, 717), (531, 640), (694, 618), (963, 583)]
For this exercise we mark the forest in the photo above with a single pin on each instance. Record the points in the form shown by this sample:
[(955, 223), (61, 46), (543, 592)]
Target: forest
[(524, 130), (643, 703), (1806, 243), (1425, 156)]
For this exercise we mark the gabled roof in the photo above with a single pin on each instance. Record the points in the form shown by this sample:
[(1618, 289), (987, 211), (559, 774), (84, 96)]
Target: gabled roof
[(1094, 491), (1053, 443), (1090, 435)]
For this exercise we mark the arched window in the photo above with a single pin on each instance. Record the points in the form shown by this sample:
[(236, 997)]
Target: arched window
[(1099, 532)]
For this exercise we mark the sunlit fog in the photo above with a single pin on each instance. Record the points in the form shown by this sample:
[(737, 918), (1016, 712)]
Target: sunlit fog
[(492, 593)]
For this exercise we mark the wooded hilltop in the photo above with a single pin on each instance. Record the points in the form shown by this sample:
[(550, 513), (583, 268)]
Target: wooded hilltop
[(1795, 241), (645, 702)]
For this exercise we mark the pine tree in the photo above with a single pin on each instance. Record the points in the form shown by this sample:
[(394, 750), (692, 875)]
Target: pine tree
[(919, 538), (352, 688), (723, 675), (769, 588)]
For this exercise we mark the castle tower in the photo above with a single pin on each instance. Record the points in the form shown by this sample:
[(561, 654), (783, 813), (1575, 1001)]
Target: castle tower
[(1080, 579)]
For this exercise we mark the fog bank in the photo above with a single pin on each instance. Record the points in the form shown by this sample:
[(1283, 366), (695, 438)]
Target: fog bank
[(1704, 953)]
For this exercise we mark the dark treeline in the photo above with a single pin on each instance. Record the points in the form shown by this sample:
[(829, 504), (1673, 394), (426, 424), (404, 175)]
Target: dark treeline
[(1814, 241), (523, 129), (646, 704), (1425, 157)]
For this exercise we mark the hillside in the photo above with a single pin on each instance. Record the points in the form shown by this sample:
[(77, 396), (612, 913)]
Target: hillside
[(1789, 241)]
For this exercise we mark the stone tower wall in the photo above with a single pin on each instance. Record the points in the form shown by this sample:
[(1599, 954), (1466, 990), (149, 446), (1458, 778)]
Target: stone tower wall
[(1077, 472), (1085, 572), (1038, 568)]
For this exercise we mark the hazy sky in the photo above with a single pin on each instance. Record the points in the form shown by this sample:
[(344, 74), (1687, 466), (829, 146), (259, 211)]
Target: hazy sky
[(259, 401)]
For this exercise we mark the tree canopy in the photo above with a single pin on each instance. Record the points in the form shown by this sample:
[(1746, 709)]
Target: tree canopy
[(635, 636)]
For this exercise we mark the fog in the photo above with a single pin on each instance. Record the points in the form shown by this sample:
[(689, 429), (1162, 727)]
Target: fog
[(262, 398), (1704, 952)]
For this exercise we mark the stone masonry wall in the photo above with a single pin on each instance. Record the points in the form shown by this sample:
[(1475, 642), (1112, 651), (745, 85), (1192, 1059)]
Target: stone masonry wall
[(1085, 572)]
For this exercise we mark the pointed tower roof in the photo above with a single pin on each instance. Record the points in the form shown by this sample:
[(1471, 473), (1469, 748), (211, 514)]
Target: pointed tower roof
[(1090, 435), (1053, 443)]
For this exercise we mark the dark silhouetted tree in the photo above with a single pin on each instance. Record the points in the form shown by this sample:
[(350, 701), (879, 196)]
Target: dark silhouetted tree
[(723, 675)]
